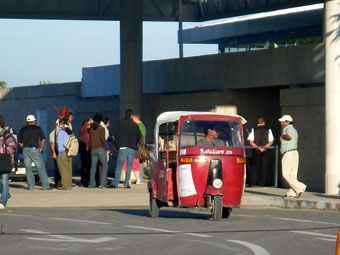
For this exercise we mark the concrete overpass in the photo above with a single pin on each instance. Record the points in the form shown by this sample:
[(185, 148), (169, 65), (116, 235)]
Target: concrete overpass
[(131, 14)]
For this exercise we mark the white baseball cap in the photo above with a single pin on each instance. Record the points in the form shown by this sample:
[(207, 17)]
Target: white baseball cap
[(286, 118), (30, 118)]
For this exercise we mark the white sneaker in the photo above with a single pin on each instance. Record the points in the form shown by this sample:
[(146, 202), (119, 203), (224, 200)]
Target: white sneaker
[(139, 182), (2, 207)]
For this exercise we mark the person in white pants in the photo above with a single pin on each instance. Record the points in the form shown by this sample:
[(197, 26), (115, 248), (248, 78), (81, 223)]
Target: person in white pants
[(290, 157)]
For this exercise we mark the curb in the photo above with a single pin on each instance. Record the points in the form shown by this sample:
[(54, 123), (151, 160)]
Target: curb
[(293, 202)]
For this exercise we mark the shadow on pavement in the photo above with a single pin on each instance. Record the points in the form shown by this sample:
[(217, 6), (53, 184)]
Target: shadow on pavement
[(165, 213), (262, 193)]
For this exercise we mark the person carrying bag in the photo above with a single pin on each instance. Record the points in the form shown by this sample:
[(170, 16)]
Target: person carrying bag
[(7, 148)]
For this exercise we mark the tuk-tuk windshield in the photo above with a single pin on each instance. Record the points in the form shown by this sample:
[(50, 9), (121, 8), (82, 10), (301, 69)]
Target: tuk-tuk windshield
[(210, 133)]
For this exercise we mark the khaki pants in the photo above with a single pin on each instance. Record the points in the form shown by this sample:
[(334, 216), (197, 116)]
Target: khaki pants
[(290, 164), (65, 169)]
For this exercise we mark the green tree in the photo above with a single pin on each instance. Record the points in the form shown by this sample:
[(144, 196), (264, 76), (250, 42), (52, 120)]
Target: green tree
[(44, 82), (3, 84)]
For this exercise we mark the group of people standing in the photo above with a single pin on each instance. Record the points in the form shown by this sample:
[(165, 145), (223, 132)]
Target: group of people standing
[(260, 138), (97, 147)]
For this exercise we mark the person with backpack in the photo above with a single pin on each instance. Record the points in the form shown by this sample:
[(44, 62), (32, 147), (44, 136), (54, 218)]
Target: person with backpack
[(7, 148), (64, 161), (54, 150)]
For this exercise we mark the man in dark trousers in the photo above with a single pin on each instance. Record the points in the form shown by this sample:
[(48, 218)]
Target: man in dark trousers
[(260, 137), (32, 139), (127, 136)]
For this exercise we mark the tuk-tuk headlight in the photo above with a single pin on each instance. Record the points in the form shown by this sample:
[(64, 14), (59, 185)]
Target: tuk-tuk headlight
[(217, 183)]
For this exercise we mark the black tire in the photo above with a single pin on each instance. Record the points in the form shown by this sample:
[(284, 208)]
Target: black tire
[(226, 212), (153, 206), (217, 208)]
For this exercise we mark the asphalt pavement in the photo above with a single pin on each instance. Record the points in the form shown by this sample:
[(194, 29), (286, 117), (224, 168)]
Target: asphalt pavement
[(138, 196)]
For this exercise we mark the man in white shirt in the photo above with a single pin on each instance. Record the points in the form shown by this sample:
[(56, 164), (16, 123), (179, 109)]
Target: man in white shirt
[(260, 137)]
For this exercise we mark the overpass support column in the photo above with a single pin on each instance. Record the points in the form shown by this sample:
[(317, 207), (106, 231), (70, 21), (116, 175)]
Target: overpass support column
[(332, 88), (131, 55)]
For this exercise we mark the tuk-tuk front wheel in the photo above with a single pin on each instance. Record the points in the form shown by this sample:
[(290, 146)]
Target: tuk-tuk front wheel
[(217, 208), (153, 206)]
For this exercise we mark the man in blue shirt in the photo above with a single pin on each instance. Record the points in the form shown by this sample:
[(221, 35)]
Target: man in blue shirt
[(290, 157)]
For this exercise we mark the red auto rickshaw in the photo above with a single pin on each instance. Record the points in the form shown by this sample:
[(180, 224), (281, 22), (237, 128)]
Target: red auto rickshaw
[(199, 161)]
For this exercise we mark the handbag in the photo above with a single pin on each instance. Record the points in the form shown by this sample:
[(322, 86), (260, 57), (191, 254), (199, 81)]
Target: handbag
[(143, 151), (5, 163)]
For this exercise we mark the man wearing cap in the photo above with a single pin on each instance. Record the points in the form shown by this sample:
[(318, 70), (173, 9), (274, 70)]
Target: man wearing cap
[(32, 139), (290, 157), (211, 138)]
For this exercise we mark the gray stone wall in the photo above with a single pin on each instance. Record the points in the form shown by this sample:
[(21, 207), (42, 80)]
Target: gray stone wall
[(307, 107)]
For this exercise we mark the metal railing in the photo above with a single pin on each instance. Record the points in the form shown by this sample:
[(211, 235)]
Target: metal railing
[(276, 161)]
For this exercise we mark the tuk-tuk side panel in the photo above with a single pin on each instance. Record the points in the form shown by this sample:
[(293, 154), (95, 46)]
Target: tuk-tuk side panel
[(162, 193), (233, 183)]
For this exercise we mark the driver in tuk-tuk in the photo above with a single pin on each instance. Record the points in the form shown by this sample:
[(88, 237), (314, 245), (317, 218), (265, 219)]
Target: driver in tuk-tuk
[(210, 139)]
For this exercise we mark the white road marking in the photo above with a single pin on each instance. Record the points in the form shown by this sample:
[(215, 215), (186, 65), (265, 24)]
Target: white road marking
[(154, 229), (244, 215), (195, 234), (18, 215), (81, 221), (168, 231), (33, 231), (291, 219), (63, 238), (314, 234), (258, 250), (74, 240), (324, 239), (306, 221)]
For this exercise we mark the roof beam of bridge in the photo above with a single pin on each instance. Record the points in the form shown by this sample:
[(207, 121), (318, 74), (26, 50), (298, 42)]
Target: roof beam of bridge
[(153, 10)]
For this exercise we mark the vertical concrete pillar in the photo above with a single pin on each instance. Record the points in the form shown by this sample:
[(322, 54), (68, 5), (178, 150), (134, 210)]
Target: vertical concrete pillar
[(180, 28), (332, 84), (131, 55)]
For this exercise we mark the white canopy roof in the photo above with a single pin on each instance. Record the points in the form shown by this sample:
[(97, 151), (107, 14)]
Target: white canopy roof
[(174, 115)]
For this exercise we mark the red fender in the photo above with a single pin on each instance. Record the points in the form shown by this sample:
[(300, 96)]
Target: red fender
[(210, 190)]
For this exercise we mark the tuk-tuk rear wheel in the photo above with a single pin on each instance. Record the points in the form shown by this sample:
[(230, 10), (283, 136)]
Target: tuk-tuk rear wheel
[(217, 208), (153, 206), (226, 212)]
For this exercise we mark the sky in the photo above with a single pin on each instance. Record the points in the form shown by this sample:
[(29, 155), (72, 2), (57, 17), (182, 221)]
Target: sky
[(56, 51)]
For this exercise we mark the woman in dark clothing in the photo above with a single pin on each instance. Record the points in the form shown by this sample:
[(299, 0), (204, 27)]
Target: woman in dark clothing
[(99, 151)]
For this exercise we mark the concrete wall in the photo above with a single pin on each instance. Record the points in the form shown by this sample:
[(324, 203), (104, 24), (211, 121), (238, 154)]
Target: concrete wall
[(262, 68), (307, 107), (100, 81)]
